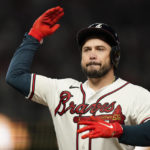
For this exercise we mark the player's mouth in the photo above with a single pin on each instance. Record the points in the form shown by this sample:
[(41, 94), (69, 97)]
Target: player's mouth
[(93, 64)]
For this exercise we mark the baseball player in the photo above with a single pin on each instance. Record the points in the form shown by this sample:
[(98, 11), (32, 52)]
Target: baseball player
[(103, 113)]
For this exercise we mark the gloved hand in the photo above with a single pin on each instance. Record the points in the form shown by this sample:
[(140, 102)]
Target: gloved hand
[(100, 128), (46, 24)]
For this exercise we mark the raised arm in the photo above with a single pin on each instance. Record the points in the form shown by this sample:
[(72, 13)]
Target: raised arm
[(19, 74)]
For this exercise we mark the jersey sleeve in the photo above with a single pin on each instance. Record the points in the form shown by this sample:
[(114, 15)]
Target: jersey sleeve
[(41, 89), (19, 71), (141, 106)]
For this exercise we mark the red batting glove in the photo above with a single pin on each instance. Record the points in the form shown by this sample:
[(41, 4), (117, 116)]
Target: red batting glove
[(46, 24), (100, 128)]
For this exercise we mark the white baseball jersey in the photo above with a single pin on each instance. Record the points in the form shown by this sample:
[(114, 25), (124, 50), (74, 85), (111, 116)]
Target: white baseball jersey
[(70, 101)]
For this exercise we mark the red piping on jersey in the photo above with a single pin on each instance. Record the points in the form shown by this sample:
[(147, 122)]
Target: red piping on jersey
[(90, 144), (77, 138), (83, 94), (145, 120), (112, 91), (33, 86)]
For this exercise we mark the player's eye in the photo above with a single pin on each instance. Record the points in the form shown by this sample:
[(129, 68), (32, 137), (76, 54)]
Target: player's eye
[(86, 49), (101, 48)]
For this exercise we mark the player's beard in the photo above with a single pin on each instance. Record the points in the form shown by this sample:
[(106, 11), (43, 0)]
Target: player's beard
[(96, 73)]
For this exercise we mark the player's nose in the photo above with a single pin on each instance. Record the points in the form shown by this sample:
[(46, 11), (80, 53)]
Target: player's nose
[(92, 55)]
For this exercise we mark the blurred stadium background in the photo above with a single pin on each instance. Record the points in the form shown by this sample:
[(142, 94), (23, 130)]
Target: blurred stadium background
[(28, 125)]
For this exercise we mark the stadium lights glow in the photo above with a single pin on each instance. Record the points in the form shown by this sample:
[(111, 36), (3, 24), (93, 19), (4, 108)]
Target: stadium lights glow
[(5, 137)]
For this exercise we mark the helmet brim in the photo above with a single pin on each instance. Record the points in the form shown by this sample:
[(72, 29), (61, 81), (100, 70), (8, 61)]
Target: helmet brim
[(87, 33)]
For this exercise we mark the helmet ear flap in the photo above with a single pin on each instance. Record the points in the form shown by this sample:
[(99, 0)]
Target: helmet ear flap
[(115, 56)]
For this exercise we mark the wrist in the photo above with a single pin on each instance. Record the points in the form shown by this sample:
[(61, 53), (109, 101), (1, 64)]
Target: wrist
[(36, 34), (118, 129)]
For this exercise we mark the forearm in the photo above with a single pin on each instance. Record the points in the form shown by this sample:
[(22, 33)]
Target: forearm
[(18, 74), (138, 135)]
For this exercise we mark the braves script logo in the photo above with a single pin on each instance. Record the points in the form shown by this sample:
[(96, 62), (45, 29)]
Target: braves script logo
[(83, 108)]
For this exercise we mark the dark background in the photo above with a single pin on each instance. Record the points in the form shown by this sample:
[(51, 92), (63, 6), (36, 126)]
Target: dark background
[(59, 56)]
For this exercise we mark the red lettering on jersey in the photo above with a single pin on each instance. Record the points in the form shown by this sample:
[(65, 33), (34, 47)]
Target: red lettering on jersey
[(64, 98), (81, 108), (64, 106)]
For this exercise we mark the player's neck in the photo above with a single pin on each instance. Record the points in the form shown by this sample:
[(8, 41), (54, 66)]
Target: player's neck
[(98, 83)]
